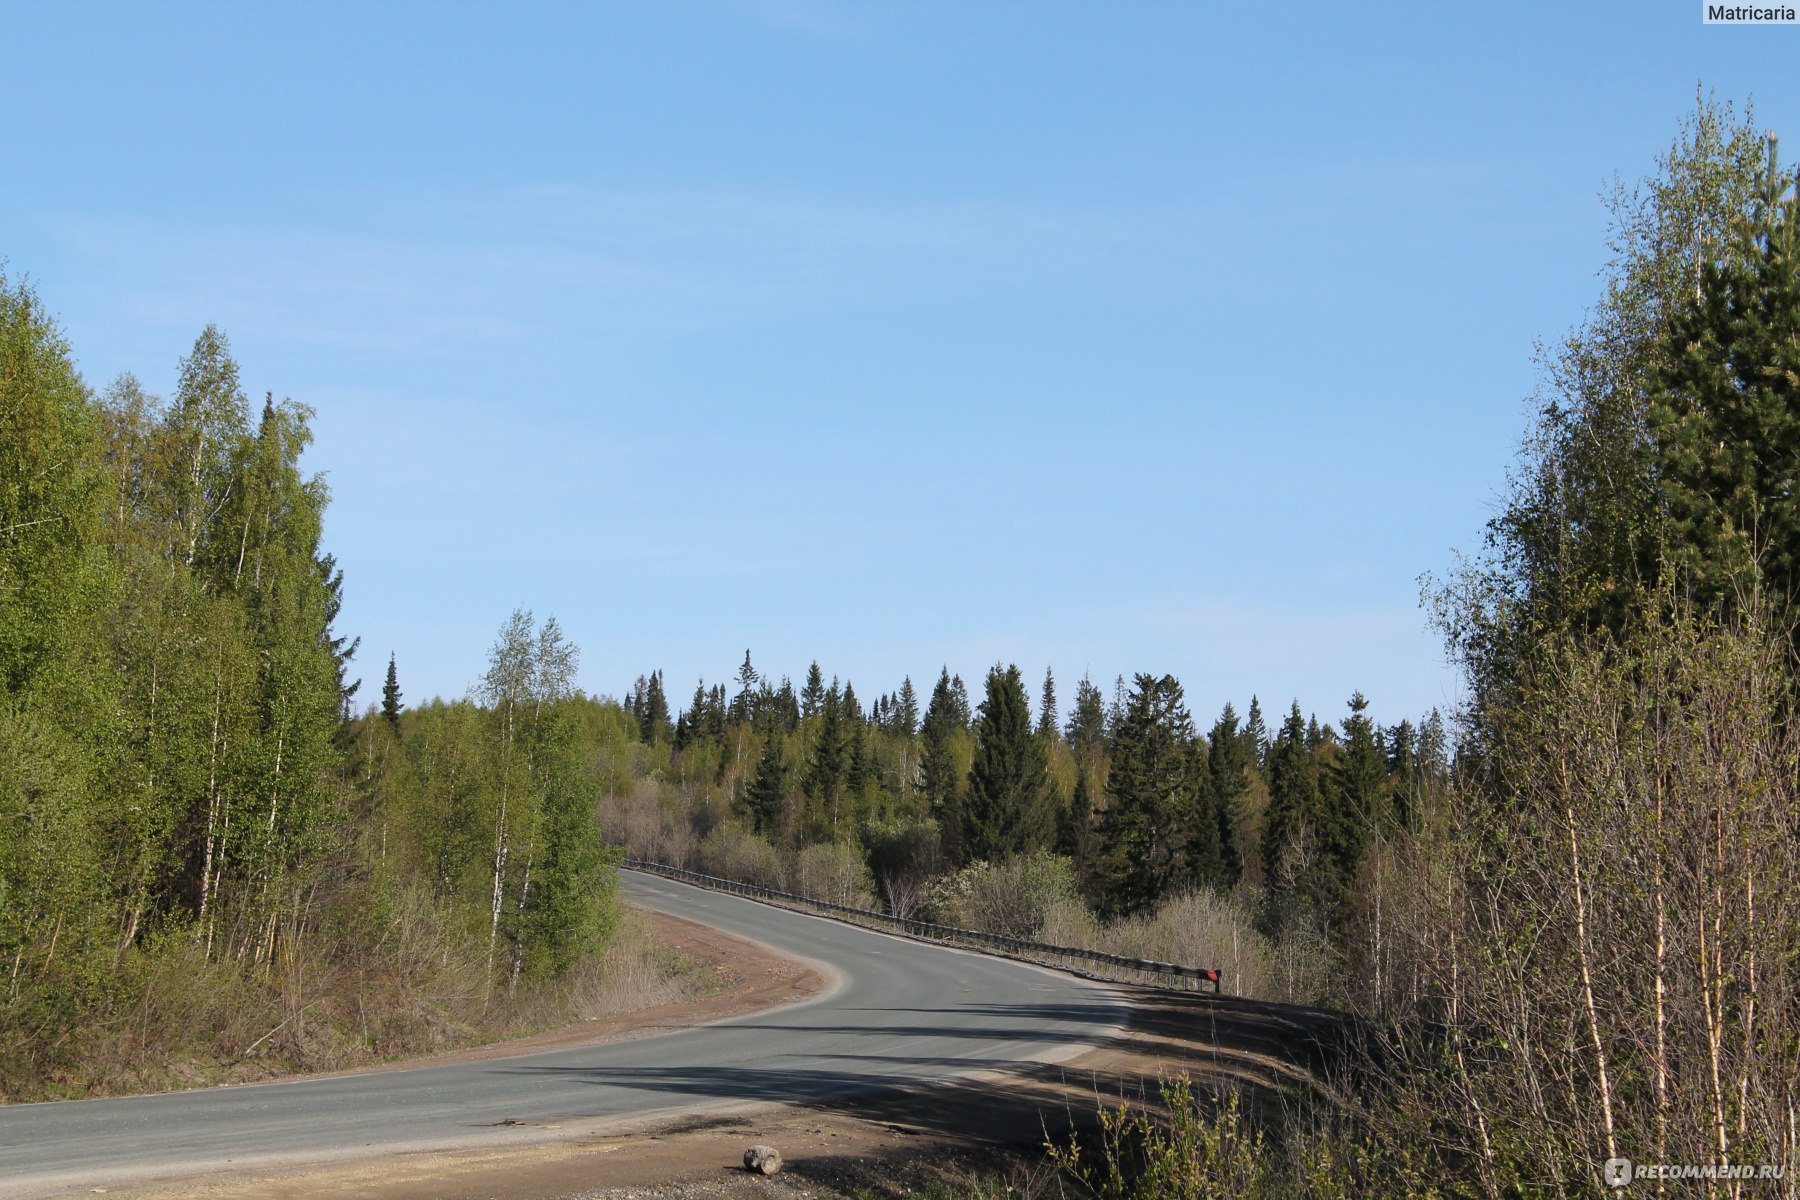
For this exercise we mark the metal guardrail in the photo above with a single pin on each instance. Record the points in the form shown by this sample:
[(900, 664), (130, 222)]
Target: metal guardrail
[(1071, 958)]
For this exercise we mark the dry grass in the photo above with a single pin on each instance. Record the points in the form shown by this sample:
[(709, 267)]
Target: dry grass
[(418, 988), (1203, 929)]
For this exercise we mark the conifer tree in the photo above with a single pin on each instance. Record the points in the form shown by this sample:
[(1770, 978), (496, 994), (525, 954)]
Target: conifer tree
[(768, 792), (1434, 749), (787, 706), (1228, 760), (343, 647), (1354, 806), (1009, 807), (689, 724), (390, 696), (1075, 828), (1256, 735), (654, 724), (1154, 784), (714, 714), (812, 697), (859, 771), (906, 709), (1623, 475), (1403, 772), (1086, 731), (1047, 715), (959, 696), (1293, 799), (830, 762), (743, 705), (1725, 409), (938, 785)]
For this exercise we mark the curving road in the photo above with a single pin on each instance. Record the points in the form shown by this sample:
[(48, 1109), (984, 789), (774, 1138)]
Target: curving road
[(900, 1013)]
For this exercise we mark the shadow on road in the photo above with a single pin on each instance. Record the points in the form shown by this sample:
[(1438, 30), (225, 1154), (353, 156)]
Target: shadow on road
[(1220, 1043)]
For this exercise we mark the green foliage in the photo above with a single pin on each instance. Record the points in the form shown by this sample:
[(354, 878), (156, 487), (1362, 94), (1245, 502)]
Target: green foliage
[(1148, 835), (939, 778), (390, 697), (1197, 1149), (52, 488), (1353, 807), (1228, 764), (767, 798), (1012, 897), (1586, 529), (1724, 408), (1009, 808), (1289, 837)]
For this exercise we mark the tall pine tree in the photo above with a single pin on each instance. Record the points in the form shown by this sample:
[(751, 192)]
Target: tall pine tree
[(1154, 784), (1009, 806)]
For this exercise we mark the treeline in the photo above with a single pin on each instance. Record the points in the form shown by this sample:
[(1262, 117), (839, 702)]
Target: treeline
[(1127, 788), (169, 680), (180, 797)]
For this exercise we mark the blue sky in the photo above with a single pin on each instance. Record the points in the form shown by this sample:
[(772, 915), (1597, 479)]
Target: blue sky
[(1108, 337)]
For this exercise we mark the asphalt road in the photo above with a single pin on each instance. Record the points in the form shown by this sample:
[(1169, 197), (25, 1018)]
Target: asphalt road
[(901, 1013)]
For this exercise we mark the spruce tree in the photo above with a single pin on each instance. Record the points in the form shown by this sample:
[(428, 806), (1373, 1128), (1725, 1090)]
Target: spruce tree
[(830, 763), (1288, 827), (1047, 715), (938, 784), (959, 696), (689, 722), (1086, 731), (713, 724), (1256, 735), (813, 695), (390, 696), (1075, 828), (1725, 409), (1228, 760), (654, 723), (1403, 771), (1354, 806), (743, 705), (1009, 807), (786, 706), (343, 647), (906, 709), (1154, 786), (768, 792)]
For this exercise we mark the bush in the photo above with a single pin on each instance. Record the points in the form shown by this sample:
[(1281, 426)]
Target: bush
[(1198, 1149), (732, 852), (834, 872), (1013, 898)]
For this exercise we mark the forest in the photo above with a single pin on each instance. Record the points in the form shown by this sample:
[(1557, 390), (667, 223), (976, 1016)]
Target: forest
[(1567, 918)]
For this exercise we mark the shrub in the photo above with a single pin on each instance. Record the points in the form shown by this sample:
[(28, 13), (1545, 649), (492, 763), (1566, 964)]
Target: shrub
[(1012, 898), (732, 852), (835, 873)]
